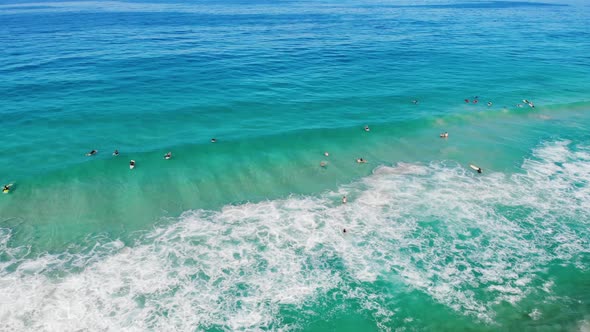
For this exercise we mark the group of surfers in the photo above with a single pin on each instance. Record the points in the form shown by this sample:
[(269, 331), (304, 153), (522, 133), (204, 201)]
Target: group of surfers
[(6, 189)]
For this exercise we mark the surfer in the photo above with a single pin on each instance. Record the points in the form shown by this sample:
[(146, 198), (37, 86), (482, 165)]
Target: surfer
[(344, 230), (444, 135), (367, 128), (323, 164), (467, 101), (344, 200), (91, 153), (132, 164), (168, 155), (326, 154), (213, 140), (361, 161), (116, 153), (489, 103), (476, 168), (6, 188), (415, 102)]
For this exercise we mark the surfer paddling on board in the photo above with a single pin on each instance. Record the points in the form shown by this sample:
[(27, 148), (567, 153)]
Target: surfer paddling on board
[(91, 153), (116, 153), (444, 135), (6, 188), (168, 155), (132, 164), (361, 161)]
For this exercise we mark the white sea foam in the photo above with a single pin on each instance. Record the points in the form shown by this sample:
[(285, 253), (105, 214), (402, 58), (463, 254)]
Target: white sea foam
[(467, 241)]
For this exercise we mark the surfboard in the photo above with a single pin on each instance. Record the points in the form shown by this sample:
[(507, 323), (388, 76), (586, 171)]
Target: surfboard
[(474, 167)]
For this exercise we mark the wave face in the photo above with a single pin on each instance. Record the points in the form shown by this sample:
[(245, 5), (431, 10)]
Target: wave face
[(467, 242)]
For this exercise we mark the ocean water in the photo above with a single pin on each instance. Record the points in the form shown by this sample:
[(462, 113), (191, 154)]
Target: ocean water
[(247, 233)]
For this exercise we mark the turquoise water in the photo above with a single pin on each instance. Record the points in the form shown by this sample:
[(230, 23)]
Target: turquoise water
[(246, 233)]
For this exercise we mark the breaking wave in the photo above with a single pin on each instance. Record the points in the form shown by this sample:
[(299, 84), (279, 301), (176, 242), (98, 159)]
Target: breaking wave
[(467, 241)]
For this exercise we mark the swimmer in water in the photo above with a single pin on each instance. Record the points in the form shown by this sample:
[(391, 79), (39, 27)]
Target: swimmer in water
[(168, 155), (467, 101), (475, 101), (367, 128), (344, 230), (116, 153), (91, 153), (213, 140), (344, 200)]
